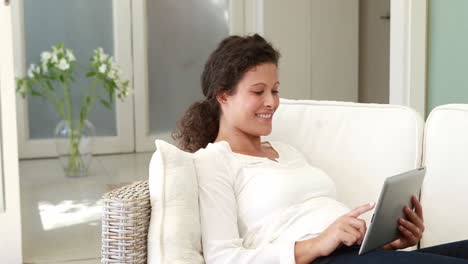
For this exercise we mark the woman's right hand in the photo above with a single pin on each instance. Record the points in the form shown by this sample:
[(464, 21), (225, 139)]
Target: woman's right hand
[(346, 230)]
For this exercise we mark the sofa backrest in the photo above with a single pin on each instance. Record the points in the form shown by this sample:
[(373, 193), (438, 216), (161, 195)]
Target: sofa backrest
[(358, 145), (444, 194)]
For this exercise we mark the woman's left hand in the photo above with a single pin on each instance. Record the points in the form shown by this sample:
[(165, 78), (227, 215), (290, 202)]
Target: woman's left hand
[(411, 230)]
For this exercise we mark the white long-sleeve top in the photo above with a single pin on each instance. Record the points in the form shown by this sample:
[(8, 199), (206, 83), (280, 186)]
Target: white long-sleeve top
[(253, 209)]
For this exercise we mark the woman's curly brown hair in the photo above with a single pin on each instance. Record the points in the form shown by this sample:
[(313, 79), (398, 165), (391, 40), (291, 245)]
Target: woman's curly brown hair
[(226, 66)]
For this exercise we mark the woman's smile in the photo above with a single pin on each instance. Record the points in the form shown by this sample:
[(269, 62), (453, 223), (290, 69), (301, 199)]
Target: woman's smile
[(265, 117)]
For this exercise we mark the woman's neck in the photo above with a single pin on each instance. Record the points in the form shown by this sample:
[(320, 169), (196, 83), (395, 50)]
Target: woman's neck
[(241, 142)]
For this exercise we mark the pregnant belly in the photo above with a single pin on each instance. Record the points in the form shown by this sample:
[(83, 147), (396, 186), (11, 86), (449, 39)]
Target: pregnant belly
[(308, 218)]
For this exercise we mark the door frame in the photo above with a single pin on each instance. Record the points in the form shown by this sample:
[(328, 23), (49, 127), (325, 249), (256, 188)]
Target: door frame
[(124, 139), (10, 217), (408, 45)]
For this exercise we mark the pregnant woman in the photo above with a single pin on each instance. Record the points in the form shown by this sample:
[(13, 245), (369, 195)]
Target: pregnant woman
[(261, 202)]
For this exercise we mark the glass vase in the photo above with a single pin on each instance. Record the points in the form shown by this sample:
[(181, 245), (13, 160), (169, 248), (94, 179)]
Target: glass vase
[(74, 142)]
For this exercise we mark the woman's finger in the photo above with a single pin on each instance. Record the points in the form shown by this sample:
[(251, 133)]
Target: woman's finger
[(408, 235), (353, 231), (414, 218), (417, 207), (356, 212), (411, 227), (359, 224), (347, 238)]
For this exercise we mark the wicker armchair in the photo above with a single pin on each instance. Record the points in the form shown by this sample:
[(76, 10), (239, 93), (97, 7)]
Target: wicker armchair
[(125, 222)]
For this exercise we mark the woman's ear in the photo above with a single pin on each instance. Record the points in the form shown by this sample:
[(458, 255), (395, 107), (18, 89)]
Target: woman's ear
[(222, 97)]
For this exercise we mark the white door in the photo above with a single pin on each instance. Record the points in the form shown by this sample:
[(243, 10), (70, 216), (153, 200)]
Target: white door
[(10, 219), (82, 26)]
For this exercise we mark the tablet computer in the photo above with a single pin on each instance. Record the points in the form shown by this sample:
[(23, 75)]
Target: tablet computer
[(396, 193)]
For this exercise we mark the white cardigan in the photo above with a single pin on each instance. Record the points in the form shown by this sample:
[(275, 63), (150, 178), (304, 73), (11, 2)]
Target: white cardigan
[(254, 209)]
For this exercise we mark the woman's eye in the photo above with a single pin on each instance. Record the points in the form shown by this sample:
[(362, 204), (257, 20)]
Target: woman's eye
[(258, 92), (275, 92)]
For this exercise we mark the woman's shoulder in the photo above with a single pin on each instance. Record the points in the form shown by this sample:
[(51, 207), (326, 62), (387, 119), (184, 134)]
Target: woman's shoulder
[(215, 155), (214, 149), (214, 162)]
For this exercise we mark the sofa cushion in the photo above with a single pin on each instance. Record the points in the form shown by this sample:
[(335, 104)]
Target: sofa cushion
[(444, 193), (174, 234), (358, 145)]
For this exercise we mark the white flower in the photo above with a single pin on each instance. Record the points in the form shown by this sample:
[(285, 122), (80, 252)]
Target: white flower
[(104, 57), (56, 50), (124, 87), (128, 91), (54, 58), (94, 59), (45, 57), (103, 68), (98, 50), (114, 72), (98, 56), (70, 55), (45, 68), (31, 70), (63, 65)]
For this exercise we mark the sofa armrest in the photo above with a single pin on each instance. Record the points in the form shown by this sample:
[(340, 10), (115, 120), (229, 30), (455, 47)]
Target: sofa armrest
[(125, 223)]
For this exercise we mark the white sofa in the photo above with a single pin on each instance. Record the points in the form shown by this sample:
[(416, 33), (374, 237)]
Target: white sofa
[(358, 145), (445, 190)]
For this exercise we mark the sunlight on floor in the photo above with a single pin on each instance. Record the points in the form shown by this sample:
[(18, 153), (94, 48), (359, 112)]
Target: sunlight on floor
[(68, 213)]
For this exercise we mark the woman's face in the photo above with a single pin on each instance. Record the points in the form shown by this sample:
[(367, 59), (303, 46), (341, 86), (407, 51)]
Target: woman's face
[(249, 109)]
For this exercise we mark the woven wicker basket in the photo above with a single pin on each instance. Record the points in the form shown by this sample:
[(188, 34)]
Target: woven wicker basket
[(125, 222)]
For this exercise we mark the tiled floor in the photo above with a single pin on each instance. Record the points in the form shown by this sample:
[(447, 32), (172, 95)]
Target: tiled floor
[(61, 216)]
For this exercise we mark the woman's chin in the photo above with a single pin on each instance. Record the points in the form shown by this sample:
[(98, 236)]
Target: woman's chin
[(256, 129), (265, 132)]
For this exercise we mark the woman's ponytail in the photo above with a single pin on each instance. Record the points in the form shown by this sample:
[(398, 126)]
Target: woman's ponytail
[(199, 125)]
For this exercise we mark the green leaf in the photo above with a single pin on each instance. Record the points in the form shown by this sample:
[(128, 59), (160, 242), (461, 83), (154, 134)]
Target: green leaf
[(83, 113), (111, 95), (34, 92), (60, 106), (106, 104), (49, 85), (19, 84), (90, 74)]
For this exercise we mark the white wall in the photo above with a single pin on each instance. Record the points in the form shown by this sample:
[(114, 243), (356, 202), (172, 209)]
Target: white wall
[(335, 49), (289, 31), (318, 40), (374, 51)]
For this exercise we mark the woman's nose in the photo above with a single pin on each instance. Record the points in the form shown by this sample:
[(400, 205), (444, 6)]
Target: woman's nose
[(269, 101)]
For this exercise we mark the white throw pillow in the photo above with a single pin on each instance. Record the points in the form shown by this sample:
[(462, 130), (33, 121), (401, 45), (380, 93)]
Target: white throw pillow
[(174, 234)]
